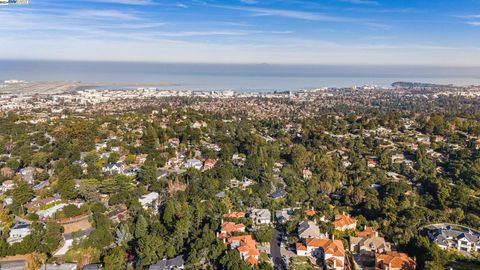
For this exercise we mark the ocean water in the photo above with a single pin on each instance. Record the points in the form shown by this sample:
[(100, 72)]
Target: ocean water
[(255, 77)]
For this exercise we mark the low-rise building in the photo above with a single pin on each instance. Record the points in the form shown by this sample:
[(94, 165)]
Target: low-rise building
[(18, 231), (261, 216), (368, 241), (170, 264), (308, 229), (344, 222), (149, 200), (455, 237), (394, 261), (246, 246), (331, 252)]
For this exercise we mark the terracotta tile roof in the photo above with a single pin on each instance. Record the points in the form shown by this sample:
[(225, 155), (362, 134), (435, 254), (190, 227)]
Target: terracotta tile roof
[(367, 232), (338, 263), (300, 246), (230, 227), (310, 213), (234, 215), (343, 220), (395, 260), (332, 247), (252, 260), (247, 247)]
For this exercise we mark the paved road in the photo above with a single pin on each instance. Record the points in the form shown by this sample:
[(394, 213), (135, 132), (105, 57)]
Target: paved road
[(275, 250)]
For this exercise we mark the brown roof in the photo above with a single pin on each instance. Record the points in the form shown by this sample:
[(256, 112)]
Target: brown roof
[(395, 260), (238, 214), (333, 247), (343, 220), (368, 231)]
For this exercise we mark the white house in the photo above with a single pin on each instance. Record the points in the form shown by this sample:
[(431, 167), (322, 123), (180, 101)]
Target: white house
[(193, 163), (18, 231), (149, 200), (261, 216), (48, 213)]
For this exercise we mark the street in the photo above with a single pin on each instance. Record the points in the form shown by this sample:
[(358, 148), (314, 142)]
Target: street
[(275, 250)]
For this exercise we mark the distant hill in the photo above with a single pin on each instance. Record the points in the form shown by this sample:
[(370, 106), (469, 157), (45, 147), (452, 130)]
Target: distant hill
[(417, 84)]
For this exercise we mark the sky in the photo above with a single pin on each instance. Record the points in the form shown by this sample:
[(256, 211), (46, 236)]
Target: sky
[(338, 32)]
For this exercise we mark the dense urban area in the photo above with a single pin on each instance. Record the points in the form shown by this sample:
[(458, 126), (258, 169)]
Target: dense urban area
[(333, 178)]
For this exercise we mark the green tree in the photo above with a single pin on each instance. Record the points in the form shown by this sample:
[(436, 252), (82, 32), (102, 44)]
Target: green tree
[(141, 227), (115, 260)]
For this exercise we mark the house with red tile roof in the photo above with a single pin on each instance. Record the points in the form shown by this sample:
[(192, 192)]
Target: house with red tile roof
[(227, 229), (238, 214), (208, 164), (331, 252), (394, 261), (344, 222), (310, 213), (7, 185), (246, 246)]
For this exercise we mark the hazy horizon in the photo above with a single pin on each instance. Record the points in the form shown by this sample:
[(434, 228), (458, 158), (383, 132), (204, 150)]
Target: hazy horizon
[(262, 77)]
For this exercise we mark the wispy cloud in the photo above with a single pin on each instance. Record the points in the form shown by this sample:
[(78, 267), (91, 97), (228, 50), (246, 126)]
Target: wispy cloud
[(362, 2), (474, 23), (106, 14), (125, 2), (284, 13), (250, 2)]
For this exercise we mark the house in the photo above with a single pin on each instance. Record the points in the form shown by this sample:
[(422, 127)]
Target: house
[(368, 241), (19, 230), (238, 214), (243, 184), (239, 160), (161, 174), (308, 229), (27, 174), (310, 213), (48, 213), (344, 222), (64, 266), (394, 261), (372, 163), (38, 203), (118, 213), (92, 266), (307, 174), (173, 142), (208, 164), (452, 237), (149, 200), (193, 163), (331, 252), (278, 194), (13, 264), (114, 168), (246, 246), (227, 229), (41, 185), (131, 171), (283, 215), (7, 185), (261, 216), (171, 264)]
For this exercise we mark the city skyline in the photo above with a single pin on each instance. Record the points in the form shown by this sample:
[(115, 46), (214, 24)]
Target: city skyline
[(338, 32)]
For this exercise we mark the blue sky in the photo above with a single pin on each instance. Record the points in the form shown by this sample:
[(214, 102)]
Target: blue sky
[(350, 32)]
